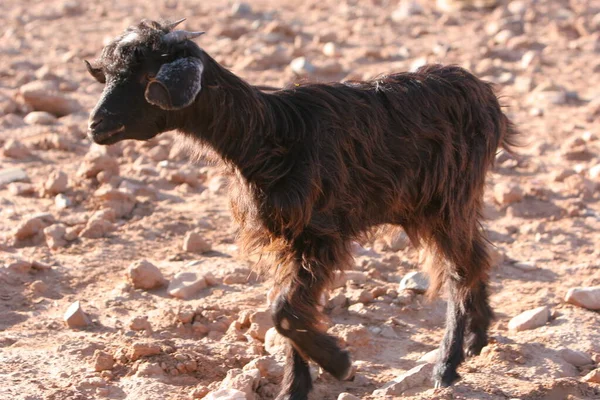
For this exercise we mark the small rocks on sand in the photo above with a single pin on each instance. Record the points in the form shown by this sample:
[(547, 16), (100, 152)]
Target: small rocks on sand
[(32, 225), (530, 319), (140, 323), (10, 175), (507, 193), (260, 323), (593, 377), (430, 357), (586, 297), (55, 236), (226, 394), (103, 361), (302, 66), (576, 358), (415, 281), (415, 377), (347, 396), (193, 242), (185, 285), (44, 96), (275, 343), (56, 183), (141, 349), (15, 149), (144, 275), (75, 317), (40, 118), (244, 381), (97, 228), (269, 367)]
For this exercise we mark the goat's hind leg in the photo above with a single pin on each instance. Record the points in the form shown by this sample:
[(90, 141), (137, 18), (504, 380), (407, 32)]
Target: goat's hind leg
[(297, 381), (480, 315)]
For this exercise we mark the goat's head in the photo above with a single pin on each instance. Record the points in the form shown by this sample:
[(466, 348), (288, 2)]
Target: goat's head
[(149, 71)]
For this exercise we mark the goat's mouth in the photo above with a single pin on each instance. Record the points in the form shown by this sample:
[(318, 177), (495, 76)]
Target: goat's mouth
[(107, 137)]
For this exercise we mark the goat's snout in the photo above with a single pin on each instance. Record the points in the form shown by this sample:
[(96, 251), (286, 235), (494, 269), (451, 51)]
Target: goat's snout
[(95, 122)]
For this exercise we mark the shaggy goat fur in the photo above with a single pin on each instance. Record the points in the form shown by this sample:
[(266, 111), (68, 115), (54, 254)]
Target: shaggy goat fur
[(316, 166)]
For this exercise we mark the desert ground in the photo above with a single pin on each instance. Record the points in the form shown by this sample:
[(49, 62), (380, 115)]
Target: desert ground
[(120, 274)]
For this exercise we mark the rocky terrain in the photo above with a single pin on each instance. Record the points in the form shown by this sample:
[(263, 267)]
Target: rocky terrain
[(120, 277)]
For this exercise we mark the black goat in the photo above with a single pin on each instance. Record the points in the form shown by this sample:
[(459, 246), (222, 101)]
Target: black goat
[(318, 165)]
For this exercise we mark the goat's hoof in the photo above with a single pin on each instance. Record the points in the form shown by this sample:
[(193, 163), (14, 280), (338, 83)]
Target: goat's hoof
[(474, 348), (340, 366), (444, 376)]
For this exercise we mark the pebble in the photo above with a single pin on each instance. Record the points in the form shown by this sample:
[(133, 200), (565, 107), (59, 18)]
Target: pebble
[(399, 241), (144, 275), (586, 297), (245, 381), (415, 281), (275, 343), (15, 149), (530, 319), (226, 394), (10, 175), (241, 9), (149, 369), (430, 357), (405, 10), (260, 323), (121, 201), (140, 349), (330, 49), (40, 118), (507, 193), (56, 183), (347, 396), (185, 285), (7, 104), (576, 358), (415, 377), (39, 287), (32, 225), (75, 317), (62, 202), (103, 361), (21, 189), (55, 236), (95, 163), (193, 242), (594, 172), (302, 66), (199, 392), (140, 324), (593, 376), (96, 228), (268, 366), (19, 265), (44, 96)]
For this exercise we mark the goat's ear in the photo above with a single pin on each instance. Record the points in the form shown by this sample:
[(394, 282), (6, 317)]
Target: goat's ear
[(176, 85), (95, 72)]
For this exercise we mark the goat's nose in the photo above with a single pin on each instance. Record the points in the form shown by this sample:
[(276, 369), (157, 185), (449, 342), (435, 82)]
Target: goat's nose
[(94, 123)]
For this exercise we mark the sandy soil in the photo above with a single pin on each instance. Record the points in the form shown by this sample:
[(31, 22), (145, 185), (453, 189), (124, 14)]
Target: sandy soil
[(542, 207)]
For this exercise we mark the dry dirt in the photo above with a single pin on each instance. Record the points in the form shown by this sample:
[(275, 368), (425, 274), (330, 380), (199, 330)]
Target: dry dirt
[(542, 206)]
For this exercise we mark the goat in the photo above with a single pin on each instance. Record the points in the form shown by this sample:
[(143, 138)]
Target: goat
[(316, 166)]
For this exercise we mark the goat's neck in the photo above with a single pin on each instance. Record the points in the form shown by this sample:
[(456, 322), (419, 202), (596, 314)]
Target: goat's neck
[(231, 117)]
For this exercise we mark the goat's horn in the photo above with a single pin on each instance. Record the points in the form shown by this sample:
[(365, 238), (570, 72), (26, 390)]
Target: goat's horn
[(180, 36), (172, 25)]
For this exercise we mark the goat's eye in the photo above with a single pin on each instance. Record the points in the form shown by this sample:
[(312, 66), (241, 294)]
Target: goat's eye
[(149, 76)]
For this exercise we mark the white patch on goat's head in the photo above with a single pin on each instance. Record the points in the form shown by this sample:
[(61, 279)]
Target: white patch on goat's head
[(129, 38)]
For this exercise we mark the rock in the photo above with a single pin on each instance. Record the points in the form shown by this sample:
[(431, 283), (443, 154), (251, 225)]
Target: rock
[(55, 236), (226, 394), (260, 323), (185, 285), (217, 184), (140, 324), (144, 275), (75, 317), (61, 201), (405, 10), (576, 358), (19, 265), (594, 172), (530, 319), (10, 175), (302, 66), (241, 9), (586, 297), (150, 369), (417, 63), (39, 287), (347, 396), (244, 381), (593, 377), (330, 49), (7, 104), (96, 228), (95, 163), (21, 189), (415, 377), (399, 241), (268, 366), (140, 349), (44, 96), (430, 357), (275, 343), (32, 225), (191, 177), (193, 242), (103, 361), (457, 5), (121, 201), (507, 193), (15, 149), (199, 392), (40, 118), (56, 183), (415, 281)]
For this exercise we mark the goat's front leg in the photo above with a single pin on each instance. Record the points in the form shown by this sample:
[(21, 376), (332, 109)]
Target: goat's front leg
[(296, 317)]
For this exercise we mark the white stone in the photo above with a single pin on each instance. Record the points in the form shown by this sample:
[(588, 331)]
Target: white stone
[(185, 285), (75, 317), (530, 319), (586, 297), (418, 376), (415, 281), (226, 394), (576, 358), (40, 118), (145, 275), (302, 66)]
